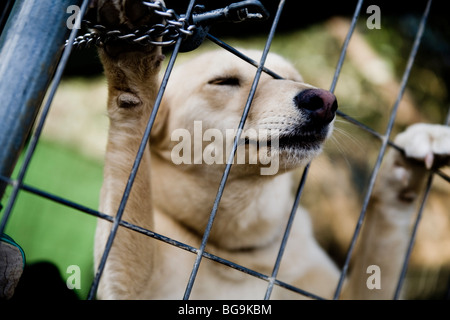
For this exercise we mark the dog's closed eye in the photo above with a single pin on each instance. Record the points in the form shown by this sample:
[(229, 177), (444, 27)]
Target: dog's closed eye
[(225, 81)]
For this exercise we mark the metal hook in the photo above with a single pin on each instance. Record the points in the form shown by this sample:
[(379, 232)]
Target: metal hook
[(235, 12)]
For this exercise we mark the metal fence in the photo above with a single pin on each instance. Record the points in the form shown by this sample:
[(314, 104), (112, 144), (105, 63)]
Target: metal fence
[(18, 121)]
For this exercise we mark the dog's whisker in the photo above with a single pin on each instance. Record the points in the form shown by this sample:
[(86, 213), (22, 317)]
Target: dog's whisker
[(349, 137)]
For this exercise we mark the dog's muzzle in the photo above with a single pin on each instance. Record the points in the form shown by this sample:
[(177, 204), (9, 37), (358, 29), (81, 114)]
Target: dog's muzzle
[(318, 108)]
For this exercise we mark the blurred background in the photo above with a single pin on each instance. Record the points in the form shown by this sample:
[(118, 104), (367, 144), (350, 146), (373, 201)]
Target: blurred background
[(68, 160)]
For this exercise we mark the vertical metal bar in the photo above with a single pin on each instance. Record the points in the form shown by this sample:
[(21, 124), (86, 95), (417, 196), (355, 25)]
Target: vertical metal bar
[(416, 226), (137, 162), (384, 144), (7, 5), (306, 170), (33, 39), (286, 233), (345, 46), (224, 179), (413, 238), (132, 176)]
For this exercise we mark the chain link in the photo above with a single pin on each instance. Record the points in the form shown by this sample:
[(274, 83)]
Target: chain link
[(173, 28)]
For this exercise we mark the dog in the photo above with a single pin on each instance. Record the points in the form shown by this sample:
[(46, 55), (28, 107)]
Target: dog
[(176, 183)]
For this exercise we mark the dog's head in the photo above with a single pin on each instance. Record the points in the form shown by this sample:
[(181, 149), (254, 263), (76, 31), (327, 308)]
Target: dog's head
[(288, 120)]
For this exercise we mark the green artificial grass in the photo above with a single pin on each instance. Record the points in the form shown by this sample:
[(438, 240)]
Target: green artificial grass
[(49, 231)]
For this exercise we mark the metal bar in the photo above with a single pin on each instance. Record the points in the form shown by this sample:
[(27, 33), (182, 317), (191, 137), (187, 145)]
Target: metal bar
[(297, 290), (7, 6), (345, 46), (286, 233), (404, 81), (333, 85), (131, 178), (305, 172), (28, 38), (137, 162), (416, 224), (241, 55), (29, 46), (233, 152), (413, 238), (338, 68), (18, 184), (154, 235)]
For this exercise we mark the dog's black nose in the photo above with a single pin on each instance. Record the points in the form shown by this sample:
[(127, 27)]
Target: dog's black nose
[(319, 104)]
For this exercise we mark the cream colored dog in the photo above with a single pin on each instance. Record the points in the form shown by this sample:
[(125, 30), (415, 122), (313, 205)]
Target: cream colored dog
[(173, 192)]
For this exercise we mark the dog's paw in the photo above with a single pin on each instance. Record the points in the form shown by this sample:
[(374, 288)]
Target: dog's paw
[(426, 143), (425, 146)]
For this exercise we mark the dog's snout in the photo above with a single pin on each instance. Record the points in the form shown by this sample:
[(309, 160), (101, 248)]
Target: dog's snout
[(321, 105)]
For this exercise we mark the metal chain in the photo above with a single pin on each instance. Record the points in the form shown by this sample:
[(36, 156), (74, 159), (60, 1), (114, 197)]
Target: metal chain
[(174, 28)]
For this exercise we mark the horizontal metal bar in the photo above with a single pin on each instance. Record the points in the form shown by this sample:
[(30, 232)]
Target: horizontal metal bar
[(83, 209)]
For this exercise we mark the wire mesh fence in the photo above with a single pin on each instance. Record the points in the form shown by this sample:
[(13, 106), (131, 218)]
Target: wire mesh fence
[(17, 184)]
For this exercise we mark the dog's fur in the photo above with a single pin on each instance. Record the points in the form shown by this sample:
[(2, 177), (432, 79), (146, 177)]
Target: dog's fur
[(176, 200)]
